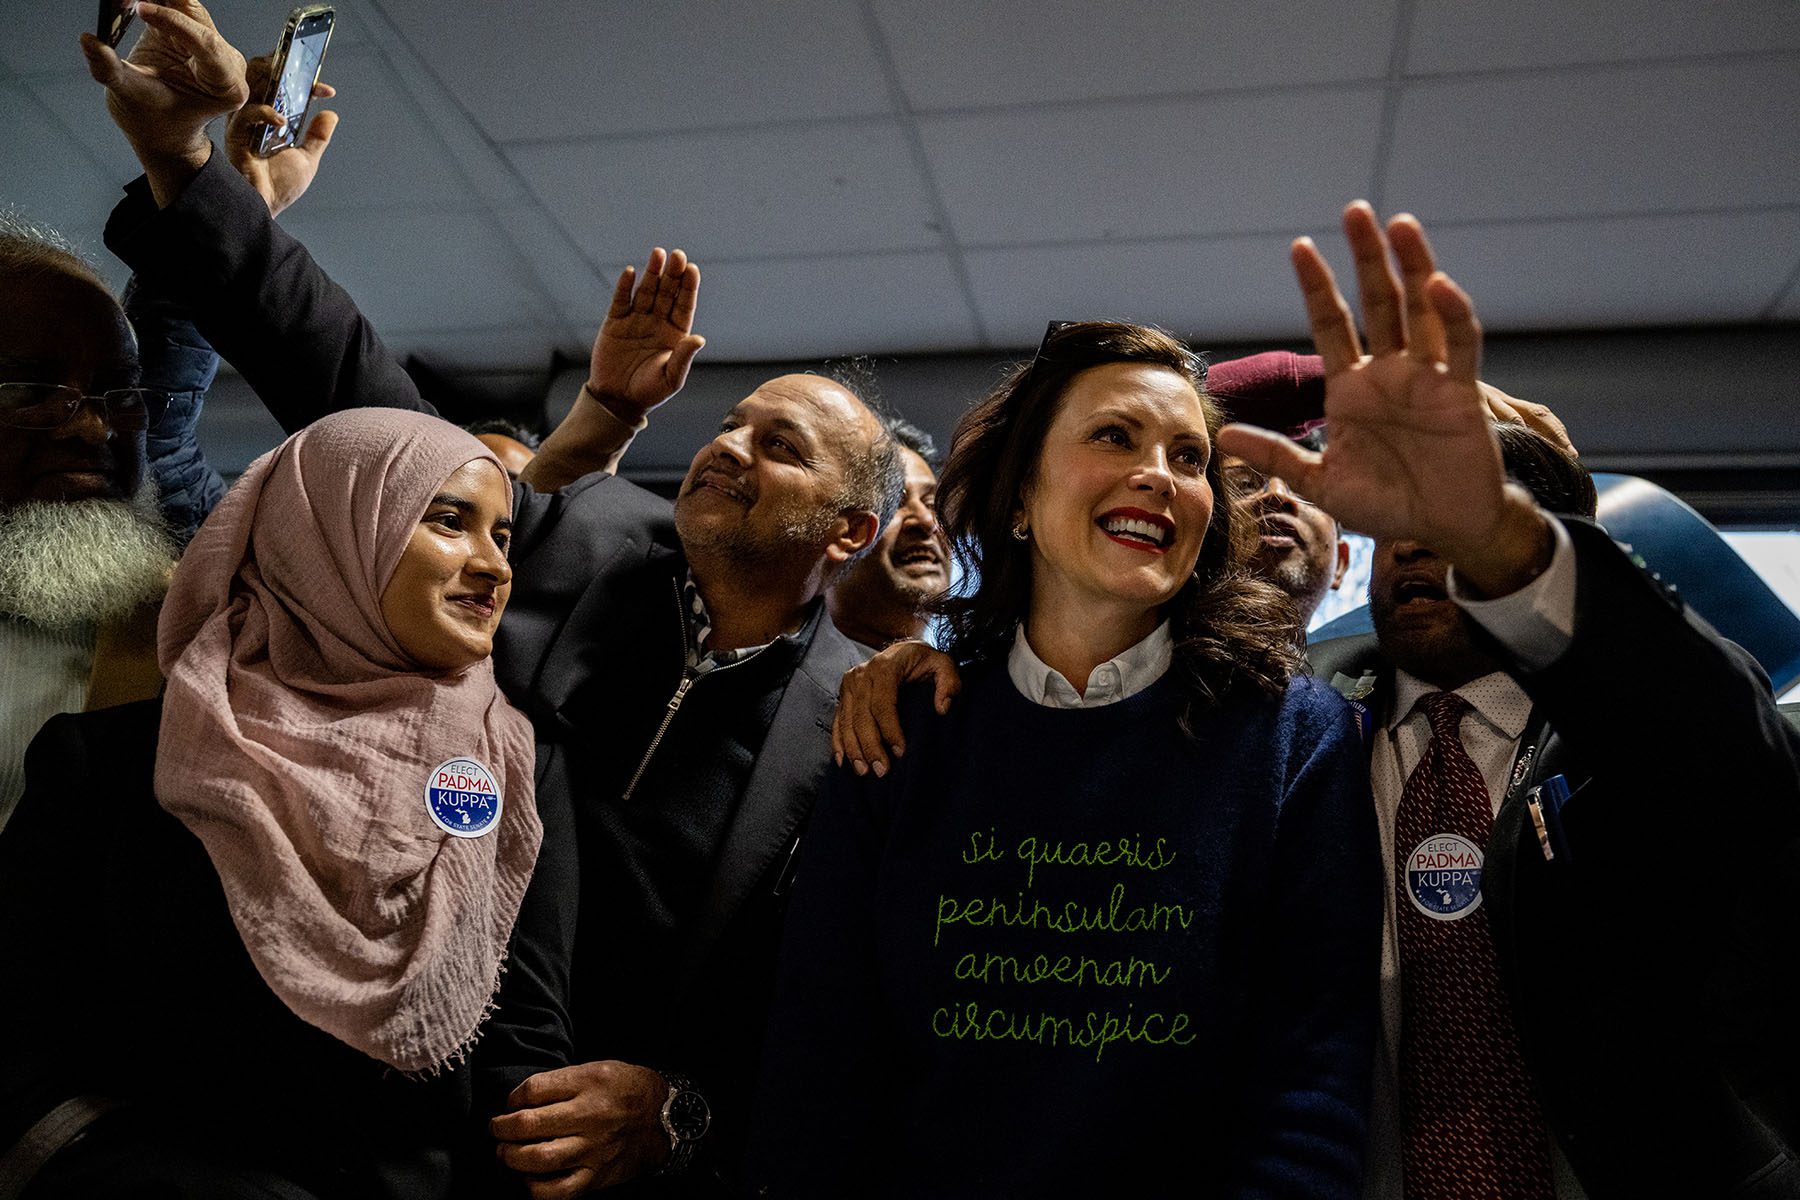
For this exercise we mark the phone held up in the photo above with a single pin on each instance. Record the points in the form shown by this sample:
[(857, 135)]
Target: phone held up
[(115, 15), (293, 73)]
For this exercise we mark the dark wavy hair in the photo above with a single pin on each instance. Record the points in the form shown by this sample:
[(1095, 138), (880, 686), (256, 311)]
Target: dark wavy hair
[(1556, 481), (1233, 631)]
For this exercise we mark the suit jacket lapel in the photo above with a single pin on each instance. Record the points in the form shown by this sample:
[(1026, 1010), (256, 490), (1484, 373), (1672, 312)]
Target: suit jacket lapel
[(788, 776)]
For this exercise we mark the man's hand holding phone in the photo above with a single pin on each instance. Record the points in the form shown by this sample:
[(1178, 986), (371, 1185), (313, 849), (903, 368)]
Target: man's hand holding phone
[(283, 176), (181, 75)]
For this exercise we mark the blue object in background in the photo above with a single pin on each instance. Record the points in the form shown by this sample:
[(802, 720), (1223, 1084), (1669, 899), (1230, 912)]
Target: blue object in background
[(1691, 557)]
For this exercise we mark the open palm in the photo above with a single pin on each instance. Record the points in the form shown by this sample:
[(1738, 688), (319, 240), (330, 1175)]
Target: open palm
[(1411, 452), (647, 342)]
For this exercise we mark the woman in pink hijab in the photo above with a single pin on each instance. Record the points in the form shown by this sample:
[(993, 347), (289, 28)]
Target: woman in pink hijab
[(252, 929)]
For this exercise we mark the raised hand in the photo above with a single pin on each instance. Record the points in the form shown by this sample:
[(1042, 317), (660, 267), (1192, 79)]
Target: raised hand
[(180, 76), (641, 358), (647, 342), (1411, 451), (284, 176)]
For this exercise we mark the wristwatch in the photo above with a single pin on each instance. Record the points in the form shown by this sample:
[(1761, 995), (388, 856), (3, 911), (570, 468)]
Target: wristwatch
[(685, 1118)]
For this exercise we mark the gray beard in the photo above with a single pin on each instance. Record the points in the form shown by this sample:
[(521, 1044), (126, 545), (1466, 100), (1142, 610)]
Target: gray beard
[(69, 563), (801, 539)]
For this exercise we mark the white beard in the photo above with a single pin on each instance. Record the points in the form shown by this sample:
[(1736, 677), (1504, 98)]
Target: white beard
[(67, 563)]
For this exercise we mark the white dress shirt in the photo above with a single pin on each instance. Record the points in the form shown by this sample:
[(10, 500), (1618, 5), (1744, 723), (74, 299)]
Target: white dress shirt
[(1114, 680)]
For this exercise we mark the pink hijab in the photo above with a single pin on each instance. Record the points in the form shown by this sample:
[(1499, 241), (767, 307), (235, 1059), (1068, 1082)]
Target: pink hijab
[(302, 746)]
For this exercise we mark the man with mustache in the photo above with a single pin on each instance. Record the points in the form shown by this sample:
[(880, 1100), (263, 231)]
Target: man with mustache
[(1586, 984), (101, 478), (84, 555), (880, 598), (1300, 551)]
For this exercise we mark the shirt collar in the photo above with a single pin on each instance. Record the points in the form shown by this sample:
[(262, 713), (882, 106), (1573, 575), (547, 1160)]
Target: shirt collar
[(699, 628), (1114, 680), (1498, 697)]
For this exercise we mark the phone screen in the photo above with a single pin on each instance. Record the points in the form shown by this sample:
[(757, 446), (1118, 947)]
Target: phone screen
[(294, 92), (299, 71)]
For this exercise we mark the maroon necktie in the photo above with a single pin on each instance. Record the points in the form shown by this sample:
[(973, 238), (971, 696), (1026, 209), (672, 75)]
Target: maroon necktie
[(1473, 1129)]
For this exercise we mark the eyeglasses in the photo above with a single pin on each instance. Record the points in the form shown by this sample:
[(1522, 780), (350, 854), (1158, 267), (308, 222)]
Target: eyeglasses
[(46, 406), (1249, 483)]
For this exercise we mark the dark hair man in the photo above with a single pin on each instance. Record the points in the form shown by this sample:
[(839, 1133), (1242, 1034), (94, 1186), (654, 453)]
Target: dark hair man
[(677, 663), (1299, 549), (881, 596), (1565, 852)]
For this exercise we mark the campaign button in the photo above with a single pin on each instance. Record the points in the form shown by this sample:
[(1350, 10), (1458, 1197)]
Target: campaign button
[(1443, 877), (462, 797)]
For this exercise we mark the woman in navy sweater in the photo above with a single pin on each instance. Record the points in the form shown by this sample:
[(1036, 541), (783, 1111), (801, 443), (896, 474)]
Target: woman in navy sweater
[(1110, 926)]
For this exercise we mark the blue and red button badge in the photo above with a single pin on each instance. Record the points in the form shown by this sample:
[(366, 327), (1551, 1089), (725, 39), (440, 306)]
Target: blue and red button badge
[(462, 797), (1443, 877)]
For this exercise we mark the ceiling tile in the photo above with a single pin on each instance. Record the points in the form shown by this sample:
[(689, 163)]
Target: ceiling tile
[(1621, 271), (1787, 308), (1615, 140), (48, 183), (1023, 51), (1154, 169), (580, 69), (1218, 290), (254, 26), (79, 106), (749, 193), (825, 307), (1468, 35), (481, 349), (42, 36), (417, 271), (384, 154)]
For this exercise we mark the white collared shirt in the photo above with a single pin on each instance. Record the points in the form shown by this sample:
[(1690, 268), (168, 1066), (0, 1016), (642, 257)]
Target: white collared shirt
[(1114, 680)]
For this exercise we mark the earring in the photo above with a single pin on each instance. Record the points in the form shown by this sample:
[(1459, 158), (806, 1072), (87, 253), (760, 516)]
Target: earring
[(1019, 533)]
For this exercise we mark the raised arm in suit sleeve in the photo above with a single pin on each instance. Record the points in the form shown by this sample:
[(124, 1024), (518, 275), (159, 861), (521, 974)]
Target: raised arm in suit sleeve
[(259, 298), (1650, 689)]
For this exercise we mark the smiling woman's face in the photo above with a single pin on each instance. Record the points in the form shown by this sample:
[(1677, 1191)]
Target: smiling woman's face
[(444, 600), (1119, 501)]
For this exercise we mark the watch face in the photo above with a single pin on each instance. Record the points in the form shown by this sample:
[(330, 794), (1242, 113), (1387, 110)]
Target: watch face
[(689, 1116)]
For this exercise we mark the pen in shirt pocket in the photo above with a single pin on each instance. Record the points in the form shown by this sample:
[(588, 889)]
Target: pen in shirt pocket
[(1545, 802)]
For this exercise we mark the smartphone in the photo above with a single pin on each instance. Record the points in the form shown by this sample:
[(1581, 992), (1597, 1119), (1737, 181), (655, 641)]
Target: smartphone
[(293, 72), (115, 15)]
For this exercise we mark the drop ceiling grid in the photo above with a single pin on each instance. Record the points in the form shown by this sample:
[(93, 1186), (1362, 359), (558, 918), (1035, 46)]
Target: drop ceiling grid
[(1681, 122), (533, 254)]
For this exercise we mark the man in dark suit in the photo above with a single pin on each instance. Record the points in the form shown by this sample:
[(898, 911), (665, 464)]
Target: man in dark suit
[(677, 662), (1636, 795)]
